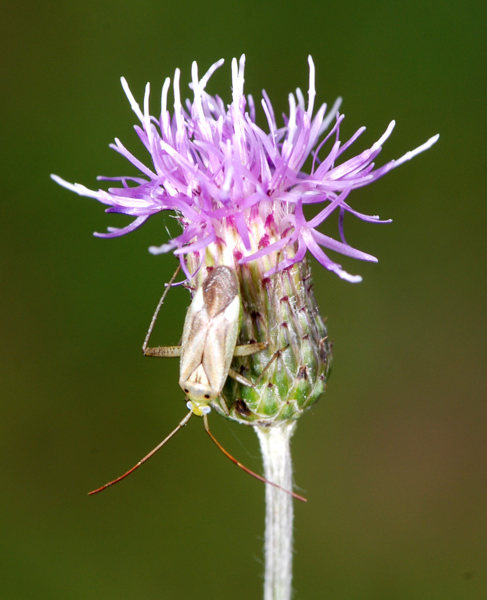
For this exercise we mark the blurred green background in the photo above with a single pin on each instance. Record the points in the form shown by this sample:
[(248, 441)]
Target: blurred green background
[(393, 459)]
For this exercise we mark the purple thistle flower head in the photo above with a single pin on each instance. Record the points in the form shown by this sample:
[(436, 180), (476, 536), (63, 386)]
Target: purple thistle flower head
[(237, 187)]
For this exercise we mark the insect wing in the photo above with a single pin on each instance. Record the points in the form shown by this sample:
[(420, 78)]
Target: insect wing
[(194, 337), (220, 345), (210, 335)]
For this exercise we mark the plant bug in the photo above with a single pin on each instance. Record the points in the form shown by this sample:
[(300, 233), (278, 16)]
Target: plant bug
[(208, 345)]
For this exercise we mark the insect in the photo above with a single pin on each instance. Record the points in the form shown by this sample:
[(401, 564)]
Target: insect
[(208, 345)]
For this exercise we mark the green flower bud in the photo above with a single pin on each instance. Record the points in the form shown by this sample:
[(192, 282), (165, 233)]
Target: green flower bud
[(291, 373)]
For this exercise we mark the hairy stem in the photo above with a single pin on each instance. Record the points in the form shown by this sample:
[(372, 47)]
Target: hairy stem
[(276, 454)]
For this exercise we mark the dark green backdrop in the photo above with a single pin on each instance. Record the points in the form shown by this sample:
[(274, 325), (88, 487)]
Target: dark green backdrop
[(393, 459)]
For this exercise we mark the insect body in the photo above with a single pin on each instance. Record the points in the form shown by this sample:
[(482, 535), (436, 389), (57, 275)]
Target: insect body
[(208, 345), (209, 340)]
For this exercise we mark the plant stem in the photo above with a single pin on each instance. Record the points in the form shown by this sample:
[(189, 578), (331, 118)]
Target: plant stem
[(276, 454)]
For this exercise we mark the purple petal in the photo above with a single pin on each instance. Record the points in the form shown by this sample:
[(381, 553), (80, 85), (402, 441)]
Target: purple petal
[(114, 232)]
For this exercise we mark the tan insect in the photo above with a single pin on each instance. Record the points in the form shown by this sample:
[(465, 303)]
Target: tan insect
[(208, 346)]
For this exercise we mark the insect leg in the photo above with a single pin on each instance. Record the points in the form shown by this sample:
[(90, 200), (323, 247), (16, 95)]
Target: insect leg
[(151, 453), (156, 313), (243, 467), (276, 355), (248, 349), (163, 352), (240, 378), (243, 380)]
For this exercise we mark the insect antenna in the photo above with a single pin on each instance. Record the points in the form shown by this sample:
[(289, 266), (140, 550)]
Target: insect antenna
[(141, 462), (243, 467)]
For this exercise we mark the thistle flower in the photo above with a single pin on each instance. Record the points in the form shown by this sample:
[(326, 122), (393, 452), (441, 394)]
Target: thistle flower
[(239, 193)]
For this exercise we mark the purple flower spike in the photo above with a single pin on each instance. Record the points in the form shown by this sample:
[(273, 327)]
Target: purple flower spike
[(232, 183)]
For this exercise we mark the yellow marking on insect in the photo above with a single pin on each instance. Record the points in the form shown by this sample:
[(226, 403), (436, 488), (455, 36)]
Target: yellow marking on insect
[(199, 411)]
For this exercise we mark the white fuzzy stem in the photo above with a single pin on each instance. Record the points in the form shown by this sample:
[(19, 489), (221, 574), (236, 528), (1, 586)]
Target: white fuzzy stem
[(276, 454)]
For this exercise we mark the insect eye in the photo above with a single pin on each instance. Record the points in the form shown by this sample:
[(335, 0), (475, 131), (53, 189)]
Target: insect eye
[(186, 391), (207, 396)]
